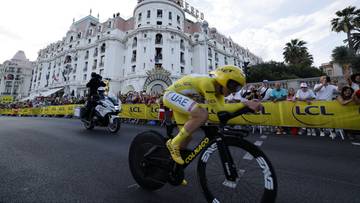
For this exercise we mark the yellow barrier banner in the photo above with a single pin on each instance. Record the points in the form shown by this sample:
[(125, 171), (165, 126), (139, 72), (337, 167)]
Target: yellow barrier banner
[(61, 110), (137, 111), (6, 99), (35, 111), (69, 109), (45, 111), (152, 112), (318, 114)]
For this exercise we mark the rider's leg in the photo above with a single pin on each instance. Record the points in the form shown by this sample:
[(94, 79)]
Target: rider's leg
[(198, 116)]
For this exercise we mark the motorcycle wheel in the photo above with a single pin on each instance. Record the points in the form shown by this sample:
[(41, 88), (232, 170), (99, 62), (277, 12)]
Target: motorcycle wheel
[(89, 125), (115, 126)]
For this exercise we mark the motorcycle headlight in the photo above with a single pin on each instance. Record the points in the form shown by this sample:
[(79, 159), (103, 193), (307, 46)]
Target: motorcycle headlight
[(116, 107)]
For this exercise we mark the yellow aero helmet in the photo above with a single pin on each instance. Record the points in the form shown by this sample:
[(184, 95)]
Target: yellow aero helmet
[(231, 77)]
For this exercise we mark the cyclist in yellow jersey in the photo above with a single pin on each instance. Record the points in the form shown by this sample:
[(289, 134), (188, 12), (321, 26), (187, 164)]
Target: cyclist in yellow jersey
[(222, 82)]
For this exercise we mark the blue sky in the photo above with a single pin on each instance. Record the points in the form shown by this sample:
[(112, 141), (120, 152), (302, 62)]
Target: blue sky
[(262, 26)]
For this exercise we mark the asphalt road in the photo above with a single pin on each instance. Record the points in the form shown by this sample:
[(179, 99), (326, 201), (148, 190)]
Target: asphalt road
[(57, 160)]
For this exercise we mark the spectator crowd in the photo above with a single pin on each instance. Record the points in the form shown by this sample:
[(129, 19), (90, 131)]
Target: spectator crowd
[(325, 90)]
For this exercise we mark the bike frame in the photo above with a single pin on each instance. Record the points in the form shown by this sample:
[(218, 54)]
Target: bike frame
[(212, 133)]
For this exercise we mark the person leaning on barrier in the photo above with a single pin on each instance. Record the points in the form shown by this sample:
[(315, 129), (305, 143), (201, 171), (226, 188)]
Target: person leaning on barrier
[(346, 95), (305, 94), (325, 92), (265, 90), (278, 94), (353, 80)]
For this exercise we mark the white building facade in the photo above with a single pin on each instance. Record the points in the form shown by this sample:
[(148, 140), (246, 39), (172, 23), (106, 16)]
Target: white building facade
[(149, 51), (16, 76)]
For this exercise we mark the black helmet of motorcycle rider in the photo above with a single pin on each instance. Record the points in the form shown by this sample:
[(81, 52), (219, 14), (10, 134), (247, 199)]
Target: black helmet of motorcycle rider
[(93, 75), (101, 92)]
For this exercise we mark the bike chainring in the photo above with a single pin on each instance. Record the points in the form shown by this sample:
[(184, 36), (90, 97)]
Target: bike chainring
[(176, 176)]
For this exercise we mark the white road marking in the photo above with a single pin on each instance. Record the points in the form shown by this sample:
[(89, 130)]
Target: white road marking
[(263, 137), (136, 186), (248, 156), (356, 143), (258, 143)]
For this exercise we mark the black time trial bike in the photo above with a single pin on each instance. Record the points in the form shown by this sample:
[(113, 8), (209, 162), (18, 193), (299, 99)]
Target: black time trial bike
[(230, 168)]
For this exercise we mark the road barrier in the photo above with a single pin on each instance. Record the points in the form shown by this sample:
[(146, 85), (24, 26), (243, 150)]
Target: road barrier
[(319, 114)]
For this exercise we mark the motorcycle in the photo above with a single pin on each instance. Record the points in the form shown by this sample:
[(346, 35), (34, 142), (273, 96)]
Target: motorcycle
[(105, 114)]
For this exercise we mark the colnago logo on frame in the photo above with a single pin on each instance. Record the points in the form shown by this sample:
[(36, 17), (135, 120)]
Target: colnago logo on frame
[(197, 150)]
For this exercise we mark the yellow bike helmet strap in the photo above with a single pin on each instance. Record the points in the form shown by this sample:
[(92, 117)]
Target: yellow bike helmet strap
[(226, 73)]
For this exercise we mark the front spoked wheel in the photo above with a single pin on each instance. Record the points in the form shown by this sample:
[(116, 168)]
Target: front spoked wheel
[(256, 180)]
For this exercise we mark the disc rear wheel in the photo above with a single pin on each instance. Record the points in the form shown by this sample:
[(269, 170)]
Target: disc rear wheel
[(147, 150)]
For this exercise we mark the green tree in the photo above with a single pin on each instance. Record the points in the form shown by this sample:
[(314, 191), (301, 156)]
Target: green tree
[(295, 53), (342, 55), (347, 20), (279, 71), (345, 57), (356, 40)]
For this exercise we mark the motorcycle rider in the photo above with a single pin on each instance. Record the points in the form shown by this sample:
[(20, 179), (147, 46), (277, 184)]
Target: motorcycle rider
[(93, 85)]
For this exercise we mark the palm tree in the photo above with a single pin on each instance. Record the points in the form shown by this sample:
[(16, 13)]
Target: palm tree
[(356, 40), (296, 53), (346, 21), (343, 56)]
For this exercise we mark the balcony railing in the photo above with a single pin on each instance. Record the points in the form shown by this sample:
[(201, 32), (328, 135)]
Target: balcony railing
[(182, 61), (101, 64), (133, 59), (158, 41), (158, 58)]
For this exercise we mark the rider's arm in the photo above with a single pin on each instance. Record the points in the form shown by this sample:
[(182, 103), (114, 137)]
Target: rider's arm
[(217, 102)]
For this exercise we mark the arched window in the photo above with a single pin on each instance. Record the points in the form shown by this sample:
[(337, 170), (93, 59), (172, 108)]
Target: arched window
[(134, 44), (87, 54), (103, 48), (67, 59), (182, 46), (158, 39)]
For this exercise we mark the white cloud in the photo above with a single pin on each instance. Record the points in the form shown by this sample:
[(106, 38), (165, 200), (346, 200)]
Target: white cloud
[(31, 25), (252, 24)]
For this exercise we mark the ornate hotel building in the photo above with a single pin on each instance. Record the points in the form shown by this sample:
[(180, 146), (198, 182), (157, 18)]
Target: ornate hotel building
[(16, 76), (148, 51)]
